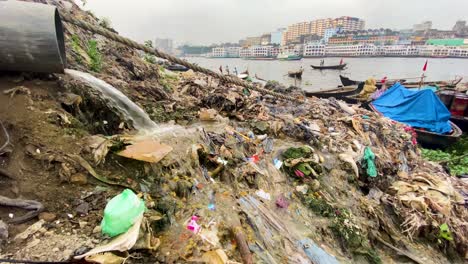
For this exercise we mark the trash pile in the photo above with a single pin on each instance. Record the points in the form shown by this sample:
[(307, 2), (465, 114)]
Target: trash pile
[(225, 174)]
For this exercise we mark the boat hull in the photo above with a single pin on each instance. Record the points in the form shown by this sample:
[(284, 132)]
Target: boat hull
[(331, 67), (338, 94)]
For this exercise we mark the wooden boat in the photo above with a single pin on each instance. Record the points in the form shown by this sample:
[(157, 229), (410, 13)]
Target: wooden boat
[(329, 67), (339, 92), (176, 67), (451, 84), (429, 139), (296, 74)]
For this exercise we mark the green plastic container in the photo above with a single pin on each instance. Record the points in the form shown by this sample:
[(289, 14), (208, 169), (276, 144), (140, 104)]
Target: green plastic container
[(121, 212)]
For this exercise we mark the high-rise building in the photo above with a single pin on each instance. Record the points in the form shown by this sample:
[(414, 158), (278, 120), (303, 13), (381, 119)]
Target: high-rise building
[(319, 26), (298, 29), (164, 45), (426, 25)]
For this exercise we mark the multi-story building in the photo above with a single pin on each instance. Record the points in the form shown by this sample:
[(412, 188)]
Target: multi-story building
[(165, 45), (277, 36), (260, 51), (233, 52), (314, 50), (353, 38), (274, 51), (219, 52), (348, 23), (319, 26), (426, 25), (342, 51), (252, 41), (330, 32), (265, 39), (298, 29), (225, 52), (245, 52)]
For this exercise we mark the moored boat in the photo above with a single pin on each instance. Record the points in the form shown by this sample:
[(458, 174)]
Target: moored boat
[(329, 67), (339, 92), (423, 111), (449, 84), (288, 57)]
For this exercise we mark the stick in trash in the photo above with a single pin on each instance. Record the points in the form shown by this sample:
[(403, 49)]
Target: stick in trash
[(242, 244)]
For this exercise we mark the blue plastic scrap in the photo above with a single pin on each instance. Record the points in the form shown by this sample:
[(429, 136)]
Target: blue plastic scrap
[(316, 254)]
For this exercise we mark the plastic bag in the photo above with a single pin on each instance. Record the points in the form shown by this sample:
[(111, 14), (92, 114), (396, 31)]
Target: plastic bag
[(369, 163), (121, 213)]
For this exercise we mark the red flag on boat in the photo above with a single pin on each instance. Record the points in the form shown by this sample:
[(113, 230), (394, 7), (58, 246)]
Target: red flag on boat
[(384, 79), (425, 66), (341, 61)]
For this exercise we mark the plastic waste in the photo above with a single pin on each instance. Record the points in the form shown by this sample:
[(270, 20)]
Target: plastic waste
[(193, 225), (121, 213), (278, 163), (212, 204), (262, 194), (120, 243), (316, 254), (369, 162)]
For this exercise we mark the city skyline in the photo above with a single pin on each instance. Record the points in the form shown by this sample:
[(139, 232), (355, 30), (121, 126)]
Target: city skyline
[(206, 22)]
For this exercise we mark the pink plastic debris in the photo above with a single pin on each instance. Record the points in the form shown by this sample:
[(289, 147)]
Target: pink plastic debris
[(193, 226)]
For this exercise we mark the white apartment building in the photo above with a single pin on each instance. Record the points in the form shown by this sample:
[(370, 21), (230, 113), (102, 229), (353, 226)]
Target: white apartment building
[(366, 50), (342, 50), (461, 53), (396, 50), (233, 52), (260, 51), (314, 50), (245, 52), (219, 52)]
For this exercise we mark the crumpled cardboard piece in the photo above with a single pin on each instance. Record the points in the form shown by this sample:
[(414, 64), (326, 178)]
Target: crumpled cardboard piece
[(146, 150)]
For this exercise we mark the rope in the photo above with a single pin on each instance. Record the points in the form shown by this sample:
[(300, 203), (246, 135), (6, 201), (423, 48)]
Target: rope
[(7, 137), (130, 43)]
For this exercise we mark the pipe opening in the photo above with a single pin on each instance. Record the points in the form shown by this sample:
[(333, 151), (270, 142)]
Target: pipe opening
[(60, 38)]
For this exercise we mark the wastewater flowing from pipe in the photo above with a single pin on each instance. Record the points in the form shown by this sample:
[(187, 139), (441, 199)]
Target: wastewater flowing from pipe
[(141, 120), (177, 136)]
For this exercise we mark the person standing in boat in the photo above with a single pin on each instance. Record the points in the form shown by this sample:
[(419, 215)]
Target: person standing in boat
[(235, 71), (322, 62), (221, 69), (227, 70)]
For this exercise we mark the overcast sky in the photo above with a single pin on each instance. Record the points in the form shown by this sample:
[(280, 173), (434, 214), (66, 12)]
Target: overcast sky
[(215, 21)]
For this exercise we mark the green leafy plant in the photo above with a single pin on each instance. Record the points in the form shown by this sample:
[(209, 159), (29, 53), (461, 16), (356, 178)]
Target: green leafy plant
[(456, 157), (148, 57), (75, 43), (95, 56)]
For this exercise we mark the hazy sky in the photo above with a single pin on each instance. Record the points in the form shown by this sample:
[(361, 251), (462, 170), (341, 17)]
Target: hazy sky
[(215, 21)]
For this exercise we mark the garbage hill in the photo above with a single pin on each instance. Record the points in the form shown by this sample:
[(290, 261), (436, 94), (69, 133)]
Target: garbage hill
[(226, 174)]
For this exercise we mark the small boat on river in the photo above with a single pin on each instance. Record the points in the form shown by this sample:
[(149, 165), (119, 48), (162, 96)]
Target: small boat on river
[(329, 67), (296, 74)]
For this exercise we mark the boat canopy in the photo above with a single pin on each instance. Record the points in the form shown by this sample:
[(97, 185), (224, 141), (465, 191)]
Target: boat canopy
[(419, 109)]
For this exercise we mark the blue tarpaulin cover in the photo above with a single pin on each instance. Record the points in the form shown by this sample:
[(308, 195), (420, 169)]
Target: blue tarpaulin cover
[(420, 109)]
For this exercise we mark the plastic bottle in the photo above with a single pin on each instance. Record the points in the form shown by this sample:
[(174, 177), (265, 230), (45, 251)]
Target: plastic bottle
[(121, 212)]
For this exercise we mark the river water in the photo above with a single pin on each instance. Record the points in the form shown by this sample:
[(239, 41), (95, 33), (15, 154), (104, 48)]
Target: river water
[(358, 69)]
